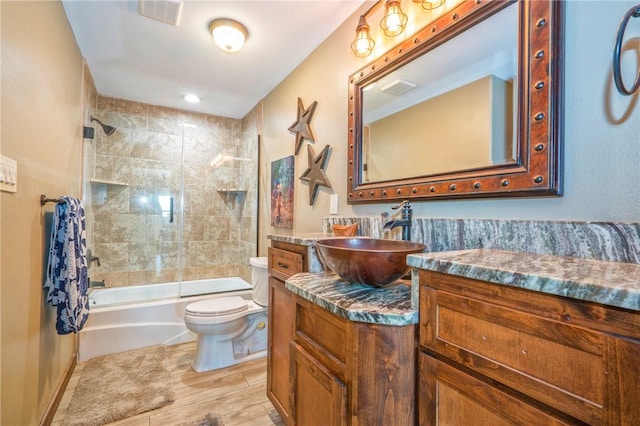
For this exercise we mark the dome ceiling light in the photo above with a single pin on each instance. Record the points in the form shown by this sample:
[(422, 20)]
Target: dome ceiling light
[(228, 34)]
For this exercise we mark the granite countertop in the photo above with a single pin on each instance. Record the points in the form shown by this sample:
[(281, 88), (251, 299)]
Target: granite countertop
[(389, 305), (302, 239), (608, 283)]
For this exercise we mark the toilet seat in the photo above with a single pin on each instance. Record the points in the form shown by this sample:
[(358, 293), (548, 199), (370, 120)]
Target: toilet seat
[(217, 306)]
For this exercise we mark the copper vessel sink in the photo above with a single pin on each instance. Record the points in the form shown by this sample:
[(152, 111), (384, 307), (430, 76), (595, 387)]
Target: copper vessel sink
[(367, 260)]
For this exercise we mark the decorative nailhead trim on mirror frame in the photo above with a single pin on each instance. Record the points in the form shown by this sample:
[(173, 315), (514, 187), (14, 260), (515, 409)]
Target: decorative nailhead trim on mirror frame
[(538, 170)]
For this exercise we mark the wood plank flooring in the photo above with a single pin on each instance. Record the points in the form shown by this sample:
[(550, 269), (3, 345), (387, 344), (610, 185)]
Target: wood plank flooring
[(237, 393)]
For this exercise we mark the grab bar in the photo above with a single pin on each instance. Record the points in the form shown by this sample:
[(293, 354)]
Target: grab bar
[(617, 75)]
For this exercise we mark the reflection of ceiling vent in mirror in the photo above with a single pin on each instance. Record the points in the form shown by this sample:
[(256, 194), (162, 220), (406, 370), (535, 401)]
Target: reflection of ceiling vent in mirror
[(167, 11), (398, 87)]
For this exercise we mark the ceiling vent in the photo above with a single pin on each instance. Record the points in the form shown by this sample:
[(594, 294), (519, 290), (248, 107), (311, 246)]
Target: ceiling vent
[(167, 11), (398, 87)]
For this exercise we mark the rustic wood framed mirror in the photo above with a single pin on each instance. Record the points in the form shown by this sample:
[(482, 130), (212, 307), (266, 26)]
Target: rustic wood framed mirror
[(469, 106)]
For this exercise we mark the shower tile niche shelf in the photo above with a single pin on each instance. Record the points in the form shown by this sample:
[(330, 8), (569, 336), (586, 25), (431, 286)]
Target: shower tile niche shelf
[(233, 195), (100, 189), (108, 182)]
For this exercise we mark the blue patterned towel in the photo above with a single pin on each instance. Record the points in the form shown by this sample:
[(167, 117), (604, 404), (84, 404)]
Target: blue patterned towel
[(67, 282)]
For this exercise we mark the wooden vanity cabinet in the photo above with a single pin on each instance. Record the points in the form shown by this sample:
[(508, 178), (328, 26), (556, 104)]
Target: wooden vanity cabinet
[(350, 373), (493, 354), (285, 260)]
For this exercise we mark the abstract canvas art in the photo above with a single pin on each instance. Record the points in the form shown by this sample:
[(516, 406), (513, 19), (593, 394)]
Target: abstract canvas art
[(282, 192)]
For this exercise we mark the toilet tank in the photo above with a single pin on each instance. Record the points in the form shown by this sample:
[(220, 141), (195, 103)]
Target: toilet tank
[(259, 280)]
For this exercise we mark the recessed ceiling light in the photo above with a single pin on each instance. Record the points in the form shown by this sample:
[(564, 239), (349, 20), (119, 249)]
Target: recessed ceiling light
[(191, 98)]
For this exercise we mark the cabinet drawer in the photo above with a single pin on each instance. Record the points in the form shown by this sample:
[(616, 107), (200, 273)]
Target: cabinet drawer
[(284, 263), (558, 364), (448, 396)]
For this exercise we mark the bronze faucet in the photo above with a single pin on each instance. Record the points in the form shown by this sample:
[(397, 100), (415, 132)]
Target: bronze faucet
[(405, 220)]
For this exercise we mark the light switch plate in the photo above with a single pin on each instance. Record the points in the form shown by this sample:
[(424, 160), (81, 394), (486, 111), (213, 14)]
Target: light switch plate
[(333, 204), (8, 174)]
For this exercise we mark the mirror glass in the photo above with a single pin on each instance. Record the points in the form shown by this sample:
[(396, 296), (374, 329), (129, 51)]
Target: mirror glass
[(470, 105), (442, 112)]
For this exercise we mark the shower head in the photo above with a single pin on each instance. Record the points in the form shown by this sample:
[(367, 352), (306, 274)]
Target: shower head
[(105, 127)]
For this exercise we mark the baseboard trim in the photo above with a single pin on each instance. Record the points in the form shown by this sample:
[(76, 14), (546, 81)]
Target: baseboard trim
[(50, 412)]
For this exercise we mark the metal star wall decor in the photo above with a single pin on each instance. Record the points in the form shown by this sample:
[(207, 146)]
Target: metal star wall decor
[(315, 173), (302, 126)]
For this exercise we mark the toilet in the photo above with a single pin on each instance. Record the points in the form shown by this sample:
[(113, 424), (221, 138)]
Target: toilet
[(231, 329)]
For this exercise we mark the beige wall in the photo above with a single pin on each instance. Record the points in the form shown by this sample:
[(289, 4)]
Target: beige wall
[(0, 231), (41, 129), (322, 77)]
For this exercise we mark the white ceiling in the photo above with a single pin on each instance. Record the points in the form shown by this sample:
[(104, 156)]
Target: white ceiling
[(140, 59)]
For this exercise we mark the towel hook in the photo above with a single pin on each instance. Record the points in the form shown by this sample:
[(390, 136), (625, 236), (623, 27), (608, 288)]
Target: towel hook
[(617, 76)]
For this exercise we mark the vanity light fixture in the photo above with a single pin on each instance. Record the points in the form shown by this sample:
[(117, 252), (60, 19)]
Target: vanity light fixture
[(393, 23), (228, 34), (363, 45), (394, 20), (429, 5)]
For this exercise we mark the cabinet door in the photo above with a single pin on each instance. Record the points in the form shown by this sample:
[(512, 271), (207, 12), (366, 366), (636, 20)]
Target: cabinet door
[(281, 322), (318, 396), (554, 362), (447, 396)]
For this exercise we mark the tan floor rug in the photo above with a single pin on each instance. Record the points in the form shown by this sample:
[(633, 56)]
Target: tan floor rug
[(117, 386)]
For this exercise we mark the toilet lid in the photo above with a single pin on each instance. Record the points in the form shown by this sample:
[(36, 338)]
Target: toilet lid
[(218, 306), (260, 262)]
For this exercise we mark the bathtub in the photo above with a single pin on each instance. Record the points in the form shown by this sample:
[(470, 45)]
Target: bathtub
[(126, 318)]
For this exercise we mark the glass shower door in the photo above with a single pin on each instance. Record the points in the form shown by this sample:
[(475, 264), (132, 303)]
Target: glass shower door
[(133, 200), (171, 199)]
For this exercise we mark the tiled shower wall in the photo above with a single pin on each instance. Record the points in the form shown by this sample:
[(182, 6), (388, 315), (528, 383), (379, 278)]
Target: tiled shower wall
[(139, 170)]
